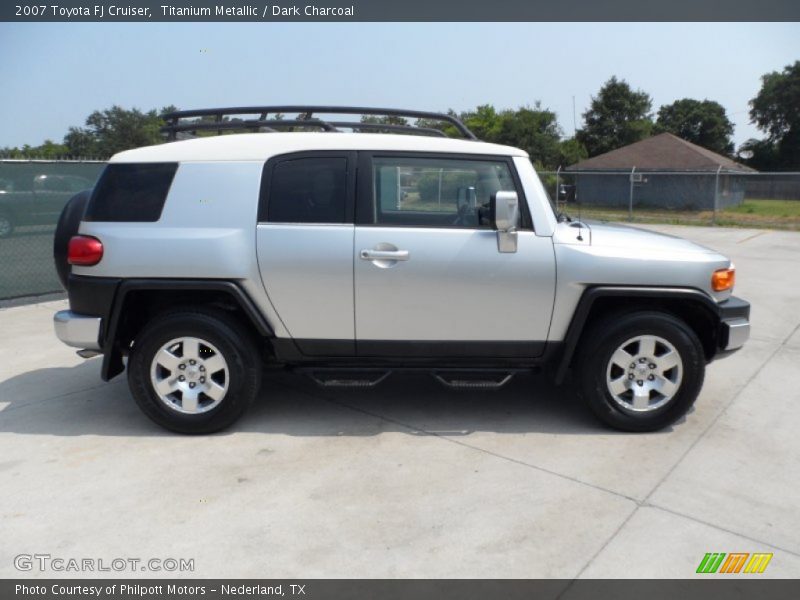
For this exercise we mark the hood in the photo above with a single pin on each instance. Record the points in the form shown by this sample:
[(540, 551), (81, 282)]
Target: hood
[(614, 235)]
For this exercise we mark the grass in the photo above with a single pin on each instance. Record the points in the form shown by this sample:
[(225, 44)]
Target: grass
[(763, 214), (769, 208)]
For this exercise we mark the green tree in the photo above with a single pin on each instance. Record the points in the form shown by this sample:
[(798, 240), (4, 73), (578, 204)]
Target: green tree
[(776, 111), (444, 127), (533, 129), (115, 129), (385, 120), (570, 152), (484, 122), (617, 116), (81, 143), (701, 122), (759, 154), (49, 150)]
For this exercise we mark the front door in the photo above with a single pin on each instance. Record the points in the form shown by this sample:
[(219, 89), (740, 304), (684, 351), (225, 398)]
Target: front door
[(429, 279)]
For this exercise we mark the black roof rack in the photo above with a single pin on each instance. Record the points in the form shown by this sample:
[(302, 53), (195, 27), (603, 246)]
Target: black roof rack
[(187, 123)]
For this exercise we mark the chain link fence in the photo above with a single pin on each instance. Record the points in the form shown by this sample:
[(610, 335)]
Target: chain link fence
[(32, 194), (726, 198)]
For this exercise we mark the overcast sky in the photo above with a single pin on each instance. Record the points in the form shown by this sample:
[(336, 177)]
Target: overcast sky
[(54, 74)]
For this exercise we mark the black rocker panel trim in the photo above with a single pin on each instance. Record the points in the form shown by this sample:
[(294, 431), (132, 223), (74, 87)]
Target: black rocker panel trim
[(449, 349), (324, 347), (434, 352)]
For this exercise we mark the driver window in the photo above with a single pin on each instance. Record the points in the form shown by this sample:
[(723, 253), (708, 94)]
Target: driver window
[(431, 192)]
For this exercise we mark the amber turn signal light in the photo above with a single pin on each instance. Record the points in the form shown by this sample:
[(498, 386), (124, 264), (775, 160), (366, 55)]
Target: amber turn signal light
[(723, 279)]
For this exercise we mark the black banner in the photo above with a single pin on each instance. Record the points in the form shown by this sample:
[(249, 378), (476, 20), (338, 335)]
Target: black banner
[(400, 10), (397, 589)]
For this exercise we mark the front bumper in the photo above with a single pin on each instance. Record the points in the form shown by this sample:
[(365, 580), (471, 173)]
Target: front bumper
[(79, 331), (734, 329)]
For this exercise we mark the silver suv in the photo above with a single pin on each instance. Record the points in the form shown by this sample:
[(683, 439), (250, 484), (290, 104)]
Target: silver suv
[(351, 248)]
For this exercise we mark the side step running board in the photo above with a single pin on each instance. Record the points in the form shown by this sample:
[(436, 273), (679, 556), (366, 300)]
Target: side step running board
[(463, 379), (475, 380), (346, 378)]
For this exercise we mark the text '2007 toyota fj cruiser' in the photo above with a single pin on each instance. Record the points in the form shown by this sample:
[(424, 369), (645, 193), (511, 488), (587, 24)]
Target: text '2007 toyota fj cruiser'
[(350, 255)]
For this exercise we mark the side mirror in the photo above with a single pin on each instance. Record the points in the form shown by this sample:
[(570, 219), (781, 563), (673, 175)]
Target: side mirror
[(504, 208)]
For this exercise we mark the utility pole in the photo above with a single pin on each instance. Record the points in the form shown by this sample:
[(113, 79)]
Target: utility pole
[(574, 119)]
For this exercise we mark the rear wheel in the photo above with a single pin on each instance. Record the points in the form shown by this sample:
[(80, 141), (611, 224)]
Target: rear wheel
[(194, 371), (641, 371)]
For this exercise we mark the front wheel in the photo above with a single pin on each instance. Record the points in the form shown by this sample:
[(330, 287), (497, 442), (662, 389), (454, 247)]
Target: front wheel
[(641, 371), (192, 371)]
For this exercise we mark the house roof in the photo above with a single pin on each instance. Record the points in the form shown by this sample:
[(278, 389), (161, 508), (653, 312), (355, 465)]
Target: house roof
[(663, 152)]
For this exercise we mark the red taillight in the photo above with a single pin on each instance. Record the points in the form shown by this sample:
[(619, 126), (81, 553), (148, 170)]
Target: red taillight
[(84, 251)]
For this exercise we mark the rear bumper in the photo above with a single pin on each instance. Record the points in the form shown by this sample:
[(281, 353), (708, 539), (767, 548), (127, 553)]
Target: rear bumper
[(90, 301), (79, 331), (734, 328)]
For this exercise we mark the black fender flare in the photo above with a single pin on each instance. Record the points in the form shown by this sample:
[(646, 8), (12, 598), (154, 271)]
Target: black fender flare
[(592, 294), (112, 354)]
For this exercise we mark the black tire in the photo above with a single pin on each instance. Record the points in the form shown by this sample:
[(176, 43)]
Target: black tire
[(228, 336), (6, 224), (68, 224), (599, 344)]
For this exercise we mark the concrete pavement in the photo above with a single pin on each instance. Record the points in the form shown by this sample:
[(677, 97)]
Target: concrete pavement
[(410, 479)]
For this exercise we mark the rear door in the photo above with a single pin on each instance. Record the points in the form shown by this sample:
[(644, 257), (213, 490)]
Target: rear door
[(305, 247), (429, 278)]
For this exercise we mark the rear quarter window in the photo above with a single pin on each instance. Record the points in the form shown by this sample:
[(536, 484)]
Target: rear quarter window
[(131, 192)]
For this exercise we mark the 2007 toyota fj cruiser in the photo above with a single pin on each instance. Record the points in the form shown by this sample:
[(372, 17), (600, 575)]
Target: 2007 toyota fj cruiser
[(350, 255)]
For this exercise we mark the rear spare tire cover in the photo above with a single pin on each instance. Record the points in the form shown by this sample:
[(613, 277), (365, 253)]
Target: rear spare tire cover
[(68, 224)]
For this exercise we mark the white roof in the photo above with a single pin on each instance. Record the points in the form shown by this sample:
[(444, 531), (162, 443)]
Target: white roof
[(261, 146)]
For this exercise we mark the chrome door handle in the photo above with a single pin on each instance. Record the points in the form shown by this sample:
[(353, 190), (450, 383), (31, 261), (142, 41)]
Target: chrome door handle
[(384, 255)]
